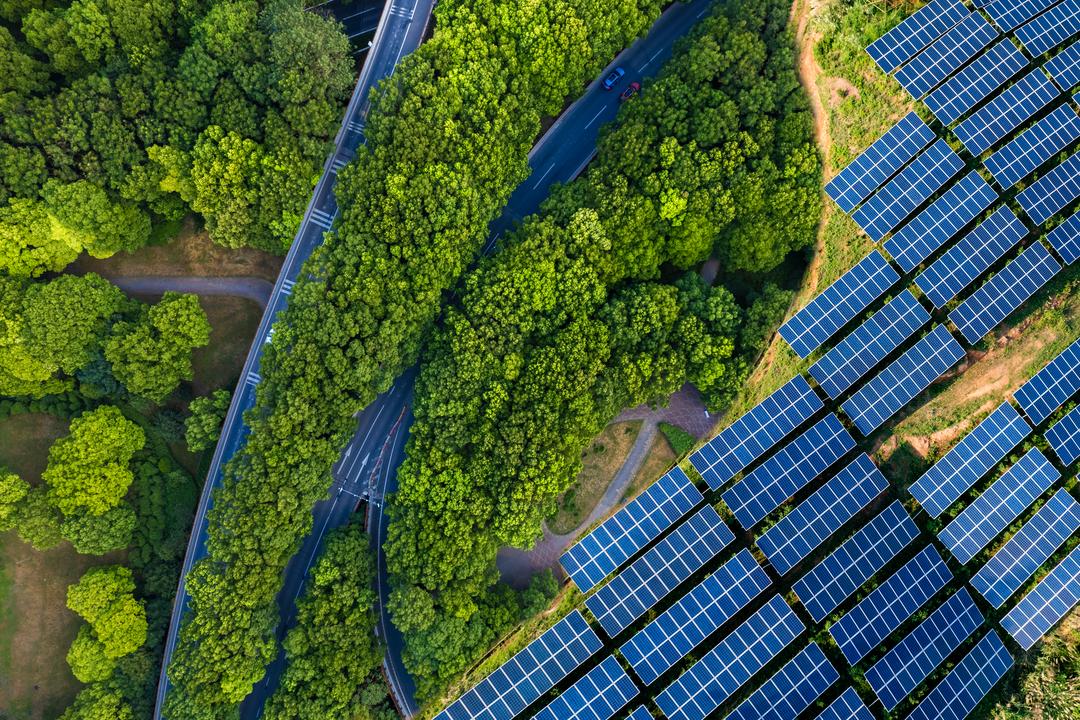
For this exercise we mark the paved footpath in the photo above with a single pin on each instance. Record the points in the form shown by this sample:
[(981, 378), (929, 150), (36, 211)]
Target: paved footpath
[(252, 288)]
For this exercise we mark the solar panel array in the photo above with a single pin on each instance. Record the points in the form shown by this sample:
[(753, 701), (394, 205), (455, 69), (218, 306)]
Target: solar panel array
[(1065, 67), (903, 668), (1064, 437), (640, 713), (1050, 29), (749, 437), (839, 304), (946, 54), (1042, 608), (735, 659), (1006, 112), (976, 82), (1048, 195), (659, 570), (968, 683), (1027, 152), (903, 379), (1030, 547), (971, 256), (870, 343), (904, 41), (836, 577), (1009, 14), (621, 536), (656, 648), (849, 706), (789, 470), (1001, 503), (797, 534), (1065, 238), (601, 693), (791, 690), (1052, 386), (524, 678)]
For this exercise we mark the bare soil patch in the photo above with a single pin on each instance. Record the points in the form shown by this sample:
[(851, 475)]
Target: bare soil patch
[(655, 464)]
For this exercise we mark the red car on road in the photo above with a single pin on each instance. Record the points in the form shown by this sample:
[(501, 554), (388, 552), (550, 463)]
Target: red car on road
[(631, 90)]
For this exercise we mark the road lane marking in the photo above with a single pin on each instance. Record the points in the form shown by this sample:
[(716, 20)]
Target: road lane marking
[(598, 114), (649, 61), (550, 168)]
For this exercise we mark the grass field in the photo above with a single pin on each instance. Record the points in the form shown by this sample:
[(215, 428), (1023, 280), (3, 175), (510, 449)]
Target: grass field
[(656, 463), (233, 322), (600, 461)]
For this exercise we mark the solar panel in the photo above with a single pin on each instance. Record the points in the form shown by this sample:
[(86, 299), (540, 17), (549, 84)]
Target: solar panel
[(1009, 14), (1042, 141), (900, 44), (749, 437), (1048, 195), (869, 344), (1065, 67), (946, 55), (1030, 547), (601, 693), (968, 683), (912, 186), (971, 458), (797, 534), (1052, 386), (640, 713), (791, 690), (1050, 29), (971, 256), (1006, 112), (849, 706), (885, 609), (789, 470), (524, 678), (840, 303), (942, 219), (1065, 238), (999, 505), (656, 648), (976, 82), (903, 379), (735, 659), (1002, 294), (1042, 608), (1064, 437), (903, 668), (659, 570), (832, 580), (621, 536)]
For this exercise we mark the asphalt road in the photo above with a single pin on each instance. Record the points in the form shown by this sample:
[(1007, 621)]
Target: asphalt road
[(360, 17)]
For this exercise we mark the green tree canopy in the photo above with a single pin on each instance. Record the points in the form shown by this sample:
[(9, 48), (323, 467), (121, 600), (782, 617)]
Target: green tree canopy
[(13, 489), (203, 426)]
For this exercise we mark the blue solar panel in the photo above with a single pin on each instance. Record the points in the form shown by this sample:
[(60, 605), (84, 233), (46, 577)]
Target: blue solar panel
[(1030, 547), (659, 570), (1042, 141), (640, 713), (971, 256), (976, 82), (1052, 386), (749, 437), (621, 536), (999, 117), (878, 162), (942, 219), (946, 55), (1048, 195), (839, 304), (656, 648), (1002, 294), (869, 344), (912, 186), (791, 690), (524, 678), (724, 669), (789, 470), (968, 683), (849, 706), (833, 579), (1065, 67), (1064, 437), (1050, 29), (797, 534), (1042, 608), (900, 44), (1065, 238), (1009, 14), (601, 693), (904, 378), (999, 505), (903, 668), (884, 610)]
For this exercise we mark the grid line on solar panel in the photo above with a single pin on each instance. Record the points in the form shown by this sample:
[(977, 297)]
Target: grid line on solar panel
[(968, 683), (640, 713), (735, 659), (976, 82), (903, 668), (943, 218), (900, 44), (1054, 597), (946, 54), (1030, 547), (1024, 154), (1009, 14), (1052, 386), (838, 304), (1048, 195), (836, 577), (971, 256), (1006, 112), (1065, 67), (879, 162), (796, 534), (849, 706), (601, 693), (789, 470), (1065, 238), (791, 690), (1064, 437), (870, 343), (912, 186), (659, 570), (1050, 29), (524, 678), (621, 536), (749, 437), (1000, 504), (898, 384), (890, 604)]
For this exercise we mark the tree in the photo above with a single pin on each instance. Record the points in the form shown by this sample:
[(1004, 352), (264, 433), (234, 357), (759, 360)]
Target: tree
[(87, 658), (13, 489), (82, 215), (116, 621), (37, 521), (27, 245), (203, 426), (98, 701), (99, 534)]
